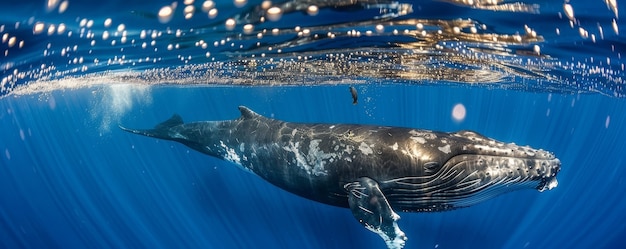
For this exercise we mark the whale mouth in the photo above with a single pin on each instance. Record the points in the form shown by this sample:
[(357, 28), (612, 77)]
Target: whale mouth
[(548, 183)]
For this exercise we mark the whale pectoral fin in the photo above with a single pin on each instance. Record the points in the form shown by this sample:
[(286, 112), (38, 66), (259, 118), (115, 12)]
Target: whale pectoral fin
[(370, 207)]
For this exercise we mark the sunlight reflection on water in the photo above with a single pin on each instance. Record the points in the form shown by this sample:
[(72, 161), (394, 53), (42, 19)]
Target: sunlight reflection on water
[(257, 43)]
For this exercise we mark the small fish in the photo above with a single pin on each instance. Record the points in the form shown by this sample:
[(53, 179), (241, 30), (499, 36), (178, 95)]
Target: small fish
[(355, 97)]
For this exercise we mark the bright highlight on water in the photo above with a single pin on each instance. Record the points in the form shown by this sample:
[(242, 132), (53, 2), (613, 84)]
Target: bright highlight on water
[(418, 45)]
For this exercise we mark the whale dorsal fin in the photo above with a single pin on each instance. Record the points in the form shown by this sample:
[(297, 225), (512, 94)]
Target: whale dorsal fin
[(171, 122), (247, 113)]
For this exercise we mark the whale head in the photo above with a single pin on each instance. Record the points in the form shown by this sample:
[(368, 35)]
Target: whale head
[(506, 164), (464, 168)]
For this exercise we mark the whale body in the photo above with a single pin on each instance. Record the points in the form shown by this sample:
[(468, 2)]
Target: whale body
[(373, 170)]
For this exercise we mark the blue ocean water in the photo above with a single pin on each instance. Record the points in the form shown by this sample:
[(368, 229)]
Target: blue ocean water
[(69, 178)]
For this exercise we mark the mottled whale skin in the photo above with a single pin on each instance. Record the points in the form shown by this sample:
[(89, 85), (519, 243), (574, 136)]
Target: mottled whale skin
[(372, 170)]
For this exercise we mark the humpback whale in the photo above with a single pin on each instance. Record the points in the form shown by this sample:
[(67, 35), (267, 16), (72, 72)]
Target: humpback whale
[(374, 171)]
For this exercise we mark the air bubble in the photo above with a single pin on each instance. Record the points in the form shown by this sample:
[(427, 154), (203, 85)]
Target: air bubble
[(612, 4), (380, 28), (230, 24), (189, 10), (38, 28), (569, 11), (61, 28), (240, 3), (458, 112), (248, 28), (12, 41), (312, 10), (166, 13), (583, 33), (212, 13), (208, 5), (274, 13), (52, 4)]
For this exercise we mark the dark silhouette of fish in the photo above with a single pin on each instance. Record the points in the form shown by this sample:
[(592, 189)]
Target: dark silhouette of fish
[(355, 96)]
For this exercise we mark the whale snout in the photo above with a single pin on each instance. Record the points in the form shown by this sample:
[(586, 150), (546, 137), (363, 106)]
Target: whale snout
[(549, 181), (525, 166)]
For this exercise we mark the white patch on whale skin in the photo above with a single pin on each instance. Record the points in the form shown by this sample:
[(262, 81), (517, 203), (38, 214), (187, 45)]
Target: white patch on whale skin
[(422, 136), (365, 149), (318, 158), (230, 155), (398, 241), (394, 146), (503, 150), (445, 149), (420, 140), (348, 149), (300, 160), (233, 157), (314, 162)]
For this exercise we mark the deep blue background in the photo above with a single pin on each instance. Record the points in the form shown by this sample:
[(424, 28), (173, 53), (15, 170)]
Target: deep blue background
[(69, 178), (70, 183)]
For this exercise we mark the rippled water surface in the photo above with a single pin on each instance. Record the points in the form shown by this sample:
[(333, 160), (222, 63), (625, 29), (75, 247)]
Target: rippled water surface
[(548, 74)]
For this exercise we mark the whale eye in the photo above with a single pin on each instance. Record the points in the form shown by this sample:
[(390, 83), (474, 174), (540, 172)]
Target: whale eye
[(431, 167)]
